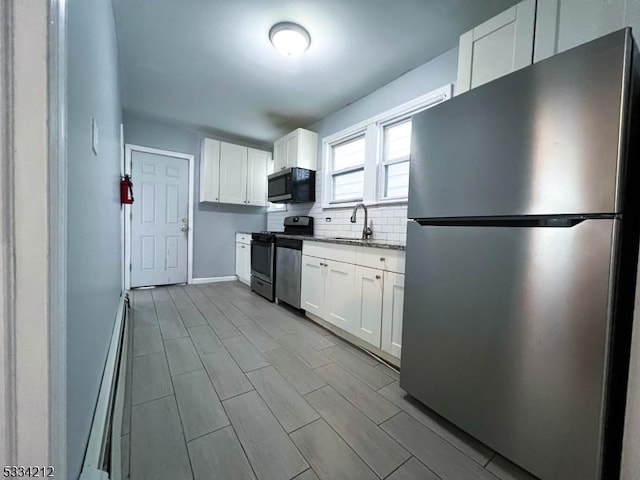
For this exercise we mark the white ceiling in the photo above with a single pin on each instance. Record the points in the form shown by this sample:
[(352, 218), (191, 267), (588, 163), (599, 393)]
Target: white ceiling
[(209, 64)]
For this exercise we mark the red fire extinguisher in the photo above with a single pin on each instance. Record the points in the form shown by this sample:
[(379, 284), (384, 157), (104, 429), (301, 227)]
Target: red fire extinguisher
[(126, 190)]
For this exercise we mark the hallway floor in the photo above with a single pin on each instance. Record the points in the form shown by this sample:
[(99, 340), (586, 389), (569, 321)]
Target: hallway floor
[(225, 385)]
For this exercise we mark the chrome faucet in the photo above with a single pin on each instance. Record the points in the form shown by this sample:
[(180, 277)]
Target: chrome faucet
[(366, 231)]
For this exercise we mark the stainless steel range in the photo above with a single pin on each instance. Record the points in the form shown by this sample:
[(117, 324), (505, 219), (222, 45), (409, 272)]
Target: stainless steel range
[(264, 258)]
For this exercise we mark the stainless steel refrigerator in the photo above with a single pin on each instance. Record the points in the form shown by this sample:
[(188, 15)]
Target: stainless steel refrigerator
[(521, 260)]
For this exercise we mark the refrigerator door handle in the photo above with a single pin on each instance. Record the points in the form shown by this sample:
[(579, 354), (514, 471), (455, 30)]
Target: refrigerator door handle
[(557, 221)]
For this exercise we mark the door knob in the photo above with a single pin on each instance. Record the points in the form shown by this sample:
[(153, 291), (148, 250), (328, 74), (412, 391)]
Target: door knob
[(377, 277), (184, 228)]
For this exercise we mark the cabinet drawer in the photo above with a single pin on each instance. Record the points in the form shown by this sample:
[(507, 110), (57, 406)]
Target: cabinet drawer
[(330, 251), (381, 258), (243, 237)]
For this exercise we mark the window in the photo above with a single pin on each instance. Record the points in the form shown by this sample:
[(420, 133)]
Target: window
[(369, 162), (396, 153), (347, 162)]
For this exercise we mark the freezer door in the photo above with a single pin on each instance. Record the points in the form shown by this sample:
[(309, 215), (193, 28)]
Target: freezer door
[(542, 141), (506, 333)]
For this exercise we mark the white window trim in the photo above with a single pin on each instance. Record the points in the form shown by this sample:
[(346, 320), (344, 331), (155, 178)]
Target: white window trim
[(380, 196), (329, 185), (373, 127)]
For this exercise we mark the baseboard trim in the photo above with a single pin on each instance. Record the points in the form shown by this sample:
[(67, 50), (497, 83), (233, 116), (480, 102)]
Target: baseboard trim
[(198, 281), (104, 415)]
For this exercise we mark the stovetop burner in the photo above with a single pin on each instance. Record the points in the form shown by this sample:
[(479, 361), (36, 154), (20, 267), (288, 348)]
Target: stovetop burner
[(302, 225)]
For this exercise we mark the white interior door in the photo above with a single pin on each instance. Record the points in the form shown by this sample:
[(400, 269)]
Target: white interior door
[(159, 222)]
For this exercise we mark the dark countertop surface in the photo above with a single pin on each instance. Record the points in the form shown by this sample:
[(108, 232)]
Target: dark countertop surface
[(346, 241)]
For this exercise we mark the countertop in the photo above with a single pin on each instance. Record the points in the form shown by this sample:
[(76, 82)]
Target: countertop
[(346, 241)]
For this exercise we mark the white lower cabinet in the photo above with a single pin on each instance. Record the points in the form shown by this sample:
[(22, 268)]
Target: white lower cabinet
[(366, 302), (339, 289), (243, 258), (312, 288), (392, 310)]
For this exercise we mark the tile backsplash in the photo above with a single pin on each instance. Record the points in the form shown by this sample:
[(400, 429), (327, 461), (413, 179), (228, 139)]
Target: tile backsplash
[(388, 222)]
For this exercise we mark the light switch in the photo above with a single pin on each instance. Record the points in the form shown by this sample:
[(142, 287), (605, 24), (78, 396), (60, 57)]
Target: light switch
[(95, 136)]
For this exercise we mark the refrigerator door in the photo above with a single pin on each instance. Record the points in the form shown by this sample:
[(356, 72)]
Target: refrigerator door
[(544, 140), (506, 333)]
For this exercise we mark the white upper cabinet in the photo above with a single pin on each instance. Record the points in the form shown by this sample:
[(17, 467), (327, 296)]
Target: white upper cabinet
[(233, 174), (297, 149), (501, 45), (257, 162), (564, 24), (280, 154), (210, 170)]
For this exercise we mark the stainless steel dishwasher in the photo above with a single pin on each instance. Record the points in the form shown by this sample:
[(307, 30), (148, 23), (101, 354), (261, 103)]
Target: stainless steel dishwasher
[(288, 270), (289, 259)]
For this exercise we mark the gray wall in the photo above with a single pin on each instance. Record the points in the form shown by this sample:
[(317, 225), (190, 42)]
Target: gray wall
[(93, 230), (423, 79), (214, 225), (438, 72)]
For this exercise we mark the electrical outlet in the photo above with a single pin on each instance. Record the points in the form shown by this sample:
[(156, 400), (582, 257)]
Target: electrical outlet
[(95, 136)]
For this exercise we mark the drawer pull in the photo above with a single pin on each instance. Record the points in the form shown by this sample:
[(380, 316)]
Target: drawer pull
[(382, 259)]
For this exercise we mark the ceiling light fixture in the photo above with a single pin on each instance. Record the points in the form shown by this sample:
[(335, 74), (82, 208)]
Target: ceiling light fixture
[(289, 38)]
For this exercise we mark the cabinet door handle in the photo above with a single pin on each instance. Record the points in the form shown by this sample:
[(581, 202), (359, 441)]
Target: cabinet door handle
[(377, 277), (382, 259)]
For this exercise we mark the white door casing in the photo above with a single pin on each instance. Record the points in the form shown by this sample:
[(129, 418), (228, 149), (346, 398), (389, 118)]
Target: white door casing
[(180, 246)]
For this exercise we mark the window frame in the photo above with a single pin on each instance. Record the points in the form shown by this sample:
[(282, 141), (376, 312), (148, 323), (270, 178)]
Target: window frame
[(373, 130), (336, 173), (383, 163)]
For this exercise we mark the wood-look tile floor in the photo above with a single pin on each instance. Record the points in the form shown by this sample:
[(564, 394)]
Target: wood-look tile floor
[(225, 385)]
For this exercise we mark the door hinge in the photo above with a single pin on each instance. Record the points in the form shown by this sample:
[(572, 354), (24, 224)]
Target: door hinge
[(130, 267)]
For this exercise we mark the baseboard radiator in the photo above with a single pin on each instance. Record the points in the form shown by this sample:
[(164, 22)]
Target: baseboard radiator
[(102, 459)]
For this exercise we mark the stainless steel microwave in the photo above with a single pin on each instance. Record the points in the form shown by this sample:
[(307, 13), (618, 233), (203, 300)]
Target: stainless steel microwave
[(292, 185)]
